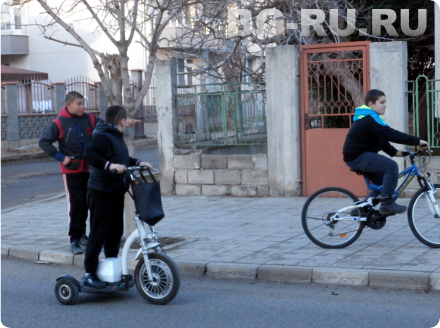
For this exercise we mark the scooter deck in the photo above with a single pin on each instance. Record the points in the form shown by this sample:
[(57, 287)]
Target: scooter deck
[(108, 289), (111, 287)]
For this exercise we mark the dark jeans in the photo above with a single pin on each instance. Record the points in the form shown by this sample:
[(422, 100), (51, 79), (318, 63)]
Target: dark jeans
[(76, 192), (106, 226), (380, 169)]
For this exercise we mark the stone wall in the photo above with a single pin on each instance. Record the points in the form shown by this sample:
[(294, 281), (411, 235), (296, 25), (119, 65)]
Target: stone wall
[(220, 175)]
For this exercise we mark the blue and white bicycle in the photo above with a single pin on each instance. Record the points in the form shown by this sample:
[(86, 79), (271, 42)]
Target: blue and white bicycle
[(334, 217)]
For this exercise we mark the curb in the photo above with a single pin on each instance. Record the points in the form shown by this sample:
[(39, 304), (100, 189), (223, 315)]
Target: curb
[(278, 273), (37, 201), (23, 157)]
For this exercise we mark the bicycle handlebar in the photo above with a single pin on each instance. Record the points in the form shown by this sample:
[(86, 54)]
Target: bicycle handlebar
[(418, 152)]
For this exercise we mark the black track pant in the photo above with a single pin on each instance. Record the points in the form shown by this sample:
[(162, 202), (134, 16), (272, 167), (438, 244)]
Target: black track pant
[(75, 185), (106, 226)]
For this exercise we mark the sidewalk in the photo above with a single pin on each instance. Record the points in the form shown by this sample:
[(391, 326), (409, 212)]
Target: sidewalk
[(254, 238)]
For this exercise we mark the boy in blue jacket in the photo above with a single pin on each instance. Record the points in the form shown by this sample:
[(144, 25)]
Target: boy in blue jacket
[(368, 135)]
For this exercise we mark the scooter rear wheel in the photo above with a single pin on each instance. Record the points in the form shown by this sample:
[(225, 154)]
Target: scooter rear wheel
[(66, 291), (166, 279)]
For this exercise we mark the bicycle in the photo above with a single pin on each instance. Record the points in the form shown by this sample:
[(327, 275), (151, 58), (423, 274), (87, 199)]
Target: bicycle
[(334, 217)]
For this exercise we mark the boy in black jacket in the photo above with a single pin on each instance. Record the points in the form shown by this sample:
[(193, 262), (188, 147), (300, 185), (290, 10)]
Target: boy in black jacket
[(368, 135), (105, 197), (73, 130)]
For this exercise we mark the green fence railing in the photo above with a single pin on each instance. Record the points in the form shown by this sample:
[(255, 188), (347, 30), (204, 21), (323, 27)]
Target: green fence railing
[(424, 98), (221, 114)]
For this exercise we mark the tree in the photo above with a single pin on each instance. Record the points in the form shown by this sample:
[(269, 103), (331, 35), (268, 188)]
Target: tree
[(121, 22)]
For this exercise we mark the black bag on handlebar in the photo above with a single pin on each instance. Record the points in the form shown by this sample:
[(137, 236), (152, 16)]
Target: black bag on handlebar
[(147, 199)]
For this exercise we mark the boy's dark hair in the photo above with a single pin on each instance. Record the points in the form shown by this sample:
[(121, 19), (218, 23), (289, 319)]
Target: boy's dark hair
[(373, 95), (115, 114), (72, 96)]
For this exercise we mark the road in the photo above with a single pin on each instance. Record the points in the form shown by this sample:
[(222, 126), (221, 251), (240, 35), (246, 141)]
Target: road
[(24, 182), (28, 300)]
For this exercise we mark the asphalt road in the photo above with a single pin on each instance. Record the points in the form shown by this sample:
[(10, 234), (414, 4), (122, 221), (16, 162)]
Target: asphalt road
[(24, 182), (28, 300)]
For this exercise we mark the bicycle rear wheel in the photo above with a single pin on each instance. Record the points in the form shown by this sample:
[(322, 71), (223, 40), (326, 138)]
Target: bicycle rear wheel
[(317, 222), (421, 220)]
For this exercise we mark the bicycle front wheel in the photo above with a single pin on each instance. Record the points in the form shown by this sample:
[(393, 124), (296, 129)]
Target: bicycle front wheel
[(421, 218), (322, 226)]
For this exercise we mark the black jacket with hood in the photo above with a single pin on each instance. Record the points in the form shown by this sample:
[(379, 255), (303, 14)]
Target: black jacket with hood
[(107, 147)]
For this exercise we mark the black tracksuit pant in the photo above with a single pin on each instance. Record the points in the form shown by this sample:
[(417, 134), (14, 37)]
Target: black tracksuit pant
[(75, 185), (106, 226)]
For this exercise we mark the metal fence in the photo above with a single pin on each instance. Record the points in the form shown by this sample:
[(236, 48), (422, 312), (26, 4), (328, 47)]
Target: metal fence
[(221, 114), (35, 97), (87, 88), (146, 113), (424, 101)]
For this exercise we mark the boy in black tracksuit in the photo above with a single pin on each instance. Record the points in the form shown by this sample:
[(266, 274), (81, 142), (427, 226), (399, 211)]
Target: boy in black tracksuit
[(368, 135), (105, 197)]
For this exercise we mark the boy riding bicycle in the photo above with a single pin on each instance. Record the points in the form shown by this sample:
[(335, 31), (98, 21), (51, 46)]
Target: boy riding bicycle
[(368, 135)]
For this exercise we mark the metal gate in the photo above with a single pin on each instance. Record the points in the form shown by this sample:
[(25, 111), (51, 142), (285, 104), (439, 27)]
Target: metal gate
[(334, 79), (424, 100)]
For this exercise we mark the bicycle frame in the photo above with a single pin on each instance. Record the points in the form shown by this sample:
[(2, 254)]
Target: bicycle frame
[(409, 174)]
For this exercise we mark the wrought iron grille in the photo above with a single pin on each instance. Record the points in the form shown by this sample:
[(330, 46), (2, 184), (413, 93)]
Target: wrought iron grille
[(221, 114), (335, 87)]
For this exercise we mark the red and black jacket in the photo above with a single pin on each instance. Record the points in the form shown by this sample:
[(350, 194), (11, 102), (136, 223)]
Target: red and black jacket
[(74, 134)]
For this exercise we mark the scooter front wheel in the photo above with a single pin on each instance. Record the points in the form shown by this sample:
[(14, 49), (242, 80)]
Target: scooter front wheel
[(66, 291), (165, 282)]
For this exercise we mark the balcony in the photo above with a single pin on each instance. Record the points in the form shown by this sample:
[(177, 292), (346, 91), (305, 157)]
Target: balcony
[(15, 45)]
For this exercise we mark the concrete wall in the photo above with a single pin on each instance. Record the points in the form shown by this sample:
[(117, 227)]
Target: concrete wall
[(389, 73), (283, 121), (220, 175)]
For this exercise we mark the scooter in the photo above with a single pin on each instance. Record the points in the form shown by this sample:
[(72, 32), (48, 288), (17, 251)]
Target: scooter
[(156, 275)]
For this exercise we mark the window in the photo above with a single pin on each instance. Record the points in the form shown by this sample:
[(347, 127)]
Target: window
[(10, 16), (184, 69), (250, 65)]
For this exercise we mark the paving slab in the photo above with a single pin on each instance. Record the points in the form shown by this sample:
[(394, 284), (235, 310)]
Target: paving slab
[(251, 238)]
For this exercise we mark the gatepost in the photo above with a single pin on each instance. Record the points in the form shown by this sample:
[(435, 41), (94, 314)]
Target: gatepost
[(12, 111), (167, 123), (59, 96)]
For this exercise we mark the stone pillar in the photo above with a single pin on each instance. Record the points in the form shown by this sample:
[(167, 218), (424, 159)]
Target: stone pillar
[(283, 121), (59, 96), (167, 123), (101, 99), (389, 73), (12, 111)]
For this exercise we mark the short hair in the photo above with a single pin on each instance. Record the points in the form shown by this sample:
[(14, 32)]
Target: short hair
[(72, 96), (373, 95), (115, 114)]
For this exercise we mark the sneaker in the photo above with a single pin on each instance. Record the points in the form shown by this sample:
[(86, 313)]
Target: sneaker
[(75, 248), (391, 208), (83, 241), (92, 280)]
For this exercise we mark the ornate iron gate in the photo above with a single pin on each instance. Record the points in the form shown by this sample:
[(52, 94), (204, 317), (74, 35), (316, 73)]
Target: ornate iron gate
[(334, 79)]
